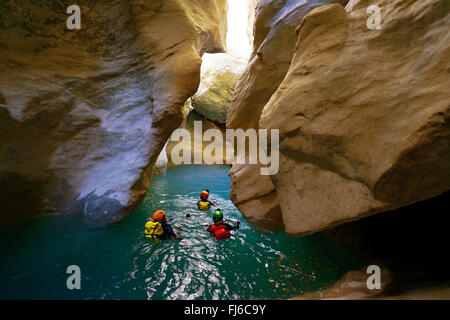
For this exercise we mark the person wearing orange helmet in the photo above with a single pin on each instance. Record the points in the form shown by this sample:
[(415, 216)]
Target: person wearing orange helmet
[(204, 204), (158, 229)]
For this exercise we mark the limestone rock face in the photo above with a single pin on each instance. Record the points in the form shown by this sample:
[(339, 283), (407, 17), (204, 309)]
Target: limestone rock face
[(363, 114), (274, 40), (85, 113), (201, 149)]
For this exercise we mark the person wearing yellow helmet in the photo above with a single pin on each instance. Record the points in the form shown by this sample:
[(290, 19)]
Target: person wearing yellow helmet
[(204, 204), (158, 229)]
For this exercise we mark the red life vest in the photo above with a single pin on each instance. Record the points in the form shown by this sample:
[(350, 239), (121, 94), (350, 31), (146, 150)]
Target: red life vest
[(219, 231)]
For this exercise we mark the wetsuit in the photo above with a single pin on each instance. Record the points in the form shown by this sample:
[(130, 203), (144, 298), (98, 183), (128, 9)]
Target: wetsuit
[(220, 230)]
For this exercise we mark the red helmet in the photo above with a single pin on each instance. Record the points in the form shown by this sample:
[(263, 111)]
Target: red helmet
[(204, 195), (159, 215)]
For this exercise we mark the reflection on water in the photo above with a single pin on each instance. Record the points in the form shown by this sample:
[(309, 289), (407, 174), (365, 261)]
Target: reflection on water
[(120, 263)]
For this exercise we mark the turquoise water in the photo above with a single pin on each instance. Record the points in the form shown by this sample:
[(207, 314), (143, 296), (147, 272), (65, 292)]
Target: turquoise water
[(118, 262)]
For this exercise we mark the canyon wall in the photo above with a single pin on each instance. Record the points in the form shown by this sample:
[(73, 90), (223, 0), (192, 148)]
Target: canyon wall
[(363, 113), (214, 102), (85, 113)]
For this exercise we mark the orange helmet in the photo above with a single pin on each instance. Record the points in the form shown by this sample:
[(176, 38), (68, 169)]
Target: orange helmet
[(204, 195), (159, 215)]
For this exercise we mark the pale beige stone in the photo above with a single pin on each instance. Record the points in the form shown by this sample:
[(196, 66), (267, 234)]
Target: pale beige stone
[(85, 113)]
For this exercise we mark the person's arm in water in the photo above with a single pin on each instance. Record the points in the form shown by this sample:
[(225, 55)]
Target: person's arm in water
[(169, 233)]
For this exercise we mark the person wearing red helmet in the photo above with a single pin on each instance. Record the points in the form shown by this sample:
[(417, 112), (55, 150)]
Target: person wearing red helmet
[(158, 229), (204, 204)]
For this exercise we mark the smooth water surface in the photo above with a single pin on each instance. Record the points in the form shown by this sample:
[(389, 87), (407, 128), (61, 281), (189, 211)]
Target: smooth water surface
[(118, 262)]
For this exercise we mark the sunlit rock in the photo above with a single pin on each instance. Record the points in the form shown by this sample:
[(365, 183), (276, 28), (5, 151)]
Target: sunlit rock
[(220, 72), (363, 114), (273, 48), (214, 102)]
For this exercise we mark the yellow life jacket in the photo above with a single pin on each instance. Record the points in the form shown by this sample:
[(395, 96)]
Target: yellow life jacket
[(153, 230), (203, 205)]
